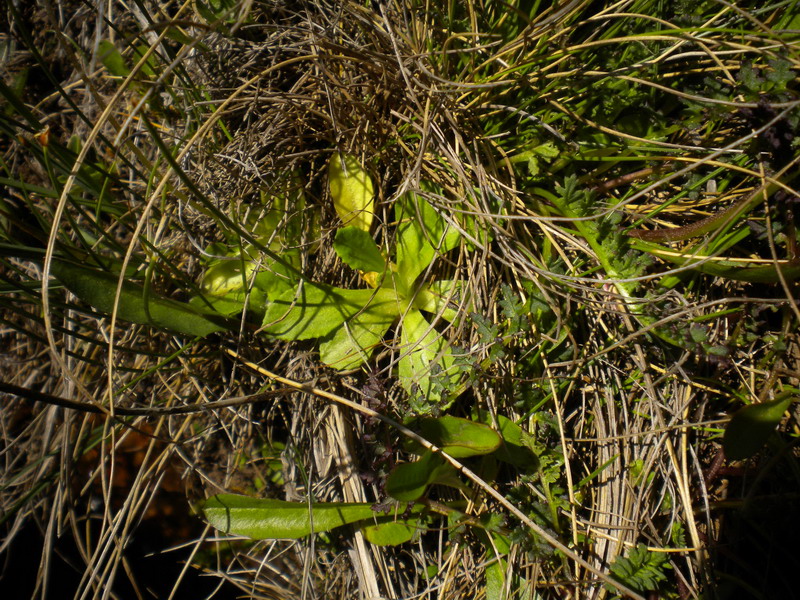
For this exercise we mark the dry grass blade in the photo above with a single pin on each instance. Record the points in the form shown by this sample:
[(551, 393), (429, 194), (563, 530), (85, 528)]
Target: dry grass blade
[(587, 219)]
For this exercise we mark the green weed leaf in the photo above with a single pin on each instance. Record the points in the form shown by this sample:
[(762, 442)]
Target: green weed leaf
[(353, 343), (425, 354), (496, 580), (234, 302), (393, 533), (641, 570), (112, 59), (352, 191), (98, 289), (751, 426), (441, 298), (358, 250), (316, 310), (513, 449), (422, 234), (407, 482), (460, 438), (266, 518), (227, 276)]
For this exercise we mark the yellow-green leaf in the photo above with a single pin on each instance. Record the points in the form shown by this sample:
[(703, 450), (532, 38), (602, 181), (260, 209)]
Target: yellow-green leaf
[(352, 191), (390, 534), (358, 250), (227, 276), (353, 343), (316, 310), (266, 518), (112, 59)]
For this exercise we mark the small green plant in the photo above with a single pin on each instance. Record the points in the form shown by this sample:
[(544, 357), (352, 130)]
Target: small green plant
[(641, 570), (351, 323), (238, 274)]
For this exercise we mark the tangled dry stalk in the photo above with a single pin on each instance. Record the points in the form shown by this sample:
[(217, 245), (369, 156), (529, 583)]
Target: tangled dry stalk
[(220, 105)]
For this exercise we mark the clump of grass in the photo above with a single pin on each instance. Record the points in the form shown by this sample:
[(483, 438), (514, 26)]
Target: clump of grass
[(619, 181)]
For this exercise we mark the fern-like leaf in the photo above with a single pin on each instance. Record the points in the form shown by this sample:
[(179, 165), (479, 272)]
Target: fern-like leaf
[(641, 570)]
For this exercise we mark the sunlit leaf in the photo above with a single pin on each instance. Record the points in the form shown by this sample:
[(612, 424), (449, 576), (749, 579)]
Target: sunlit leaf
[(266, 518), (227, 276), (390, 534), (460, 438), (442, 298), (352, 191), (422, 234), (358, 250), (315, 310), (353, 343), (425, 354)]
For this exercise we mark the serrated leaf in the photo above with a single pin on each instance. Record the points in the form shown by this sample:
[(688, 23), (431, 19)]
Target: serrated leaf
[(98, 289), (751, 426), (316, 310), (352, 191), (358, 250), (266, 518), (547, 150), (408, 481), (460, 438), (353, 343), (112, 59), (641, 570)]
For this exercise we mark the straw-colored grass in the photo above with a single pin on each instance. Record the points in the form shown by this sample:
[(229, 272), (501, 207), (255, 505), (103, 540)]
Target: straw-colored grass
[(622, 178)]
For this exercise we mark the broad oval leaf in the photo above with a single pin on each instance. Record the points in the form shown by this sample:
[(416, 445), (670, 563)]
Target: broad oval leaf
[(460, 438), (112, 59), (266, 518), (352, 191), (512, 448), (233, 303), (407, 482), (442, 298), (751, 426), (390, 534), (358, 250), (99, 289)]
